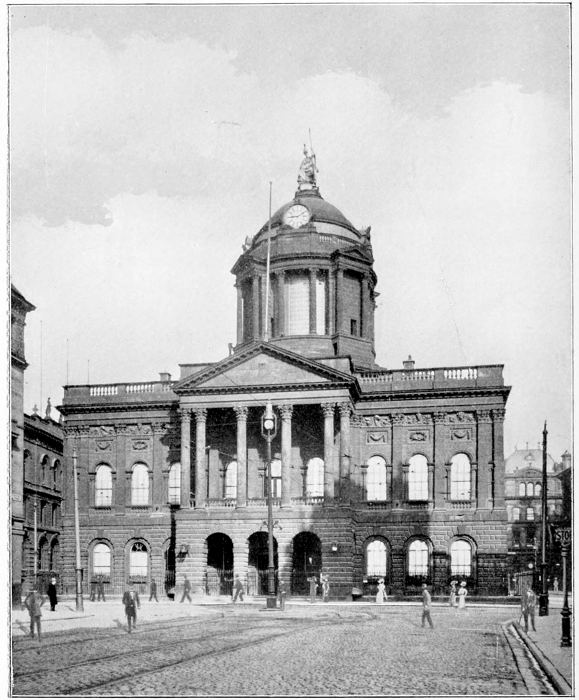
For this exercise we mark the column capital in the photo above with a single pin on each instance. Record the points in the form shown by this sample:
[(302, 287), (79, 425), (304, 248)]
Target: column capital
[(483, 416), (498, 415), (241, 413), (200, 415), (345, 409), (328, 409), (439, 417), (71, 431), (285, 411), (356, 420), (159, 427), (185, 413), (398, 418)]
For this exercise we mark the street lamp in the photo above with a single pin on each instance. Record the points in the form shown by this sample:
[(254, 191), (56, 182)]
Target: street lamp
[(269, 431), (544, 594), (79, 602), (563, 534)]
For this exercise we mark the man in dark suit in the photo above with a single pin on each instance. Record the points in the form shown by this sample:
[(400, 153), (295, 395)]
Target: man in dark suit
[(131, 602)]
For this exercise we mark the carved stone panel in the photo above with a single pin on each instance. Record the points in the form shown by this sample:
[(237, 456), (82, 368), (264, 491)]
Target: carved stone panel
[(461, 434), (375, 437), (419, 435)]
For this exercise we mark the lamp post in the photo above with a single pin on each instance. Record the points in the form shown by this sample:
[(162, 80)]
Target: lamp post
[(544, 594), (79, 601), (563, 534), (269, 431)]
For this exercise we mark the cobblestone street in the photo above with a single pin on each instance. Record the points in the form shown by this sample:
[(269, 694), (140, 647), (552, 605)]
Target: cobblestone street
[(317, 650)]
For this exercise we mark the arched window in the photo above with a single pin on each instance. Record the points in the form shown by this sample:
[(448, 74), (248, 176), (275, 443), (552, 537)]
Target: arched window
[(530, 489), (537, 489), (460, 478), (101, 560), (55, 473), (174, 492), (418, 558), (530, 514), (43, 469), (231, 480), (418, 479), (516, 513), (140, 485), (297, 300), (54, 518), (28, 476), (521, 489), (103, 485), (138, 560), (460, 558), (376, 479), (315, 478), (43, 513), (376, 558)]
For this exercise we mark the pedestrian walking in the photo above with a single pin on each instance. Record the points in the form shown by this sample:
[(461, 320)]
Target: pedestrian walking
[(186, 590), (381, 596), (238, 591), (33, 603), (556, 585), (528, 603), (281, 594), (462, 594), (426, 603), (101, 589), (131, 602), (313, 588), (153, 591), (51, 592), (452, 598), (92, 590), (325, 581)]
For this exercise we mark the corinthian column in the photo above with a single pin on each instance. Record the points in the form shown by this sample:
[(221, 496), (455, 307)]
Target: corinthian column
[(200, 458), (286, 453), (241, 414), (185, 414), (328, 410)]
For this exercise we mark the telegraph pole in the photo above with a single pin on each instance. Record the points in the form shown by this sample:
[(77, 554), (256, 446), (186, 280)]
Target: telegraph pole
[(544, 594)]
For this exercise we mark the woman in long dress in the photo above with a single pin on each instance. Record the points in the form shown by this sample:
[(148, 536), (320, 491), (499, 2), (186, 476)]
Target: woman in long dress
[(452, 599), (381, 596), (462, 593)]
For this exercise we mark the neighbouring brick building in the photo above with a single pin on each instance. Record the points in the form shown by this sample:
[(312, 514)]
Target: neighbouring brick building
[(394, 473)]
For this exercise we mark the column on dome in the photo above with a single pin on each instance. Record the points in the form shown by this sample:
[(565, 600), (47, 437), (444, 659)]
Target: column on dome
[(313, 301), (498, 473), (286, 453), (340, 323), (329, 462), (185, 414), (255, 304), (331, 302), (345, 411), (484, 457), (241, 415), (200, 458), (240, 311), (398, 486), (439, 448), (280, 304)]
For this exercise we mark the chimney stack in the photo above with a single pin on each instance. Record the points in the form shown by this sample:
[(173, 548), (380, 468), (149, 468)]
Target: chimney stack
[(409, 363), (165, 377)]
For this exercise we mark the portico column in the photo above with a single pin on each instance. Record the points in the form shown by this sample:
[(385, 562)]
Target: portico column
[(200, 461), (286, 453), (328, 411), (340, 326), (439, 481), (473, 484), (280, 313), (345, 411), (240, 311), (331, 303), (241, 414), (313, 301), (185, 414)]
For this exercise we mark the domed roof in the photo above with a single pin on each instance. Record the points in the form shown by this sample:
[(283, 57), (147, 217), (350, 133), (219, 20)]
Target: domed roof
[(320, 210)]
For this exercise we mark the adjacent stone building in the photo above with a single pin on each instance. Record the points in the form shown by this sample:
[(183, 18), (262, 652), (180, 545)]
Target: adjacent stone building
[(392, 473)]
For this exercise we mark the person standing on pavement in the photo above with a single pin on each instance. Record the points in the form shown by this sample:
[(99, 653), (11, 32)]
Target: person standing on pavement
[(33, 603), (426, 603), (92, 590), (100, 589), (452, 598), (186, 590), (153, 591), (528, 603), (556, 585), (131, 602), (325, 580), (281, 594), (381, 596), (238, 591), (313, 588), (462, 593), (51, 592)]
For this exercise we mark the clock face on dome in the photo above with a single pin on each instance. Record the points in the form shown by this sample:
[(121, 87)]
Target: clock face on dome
[(297, 215)]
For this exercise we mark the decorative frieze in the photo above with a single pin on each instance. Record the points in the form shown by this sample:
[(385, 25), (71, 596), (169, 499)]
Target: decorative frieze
[(461, 417), (483, 416), (139, 429), (498, 415), (377, 421)]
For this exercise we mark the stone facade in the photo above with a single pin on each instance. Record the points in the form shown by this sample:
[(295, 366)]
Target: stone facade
[(376, 473)]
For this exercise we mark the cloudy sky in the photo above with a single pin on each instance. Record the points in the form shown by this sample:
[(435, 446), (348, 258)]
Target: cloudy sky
[(143, 140)]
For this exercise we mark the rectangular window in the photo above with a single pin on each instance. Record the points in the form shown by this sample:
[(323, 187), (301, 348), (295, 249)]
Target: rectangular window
[(353, 326), (297, 296)]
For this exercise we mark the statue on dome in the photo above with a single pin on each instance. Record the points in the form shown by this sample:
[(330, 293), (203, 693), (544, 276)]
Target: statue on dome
[(308, 170)]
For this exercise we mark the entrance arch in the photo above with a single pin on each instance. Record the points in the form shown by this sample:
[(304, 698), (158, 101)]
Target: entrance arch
[(258, 559), (219, 577), (306, 561)]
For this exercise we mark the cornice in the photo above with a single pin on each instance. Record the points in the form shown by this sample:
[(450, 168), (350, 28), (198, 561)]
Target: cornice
[(73, 409), (260, 388), (453, 392)]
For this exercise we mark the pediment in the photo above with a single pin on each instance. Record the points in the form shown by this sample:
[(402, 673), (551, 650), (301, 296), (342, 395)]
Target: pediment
[(263, 365)]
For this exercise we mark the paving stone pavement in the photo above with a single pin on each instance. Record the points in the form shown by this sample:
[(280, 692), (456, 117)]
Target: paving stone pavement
[(323, 650)]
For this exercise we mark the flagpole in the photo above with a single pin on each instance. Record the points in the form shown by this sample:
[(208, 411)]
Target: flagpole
[(266, 309)]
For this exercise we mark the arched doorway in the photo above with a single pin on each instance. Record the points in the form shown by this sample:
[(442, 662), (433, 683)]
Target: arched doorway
[(306, 561), (258, 559), (219, 576)]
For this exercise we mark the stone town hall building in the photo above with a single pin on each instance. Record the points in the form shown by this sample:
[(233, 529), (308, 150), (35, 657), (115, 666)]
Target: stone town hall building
[(393, 473)]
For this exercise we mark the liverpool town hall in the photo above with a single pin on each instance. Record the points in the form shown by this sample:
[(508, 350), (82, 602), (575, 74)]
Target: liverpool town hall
[(375, 473)]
